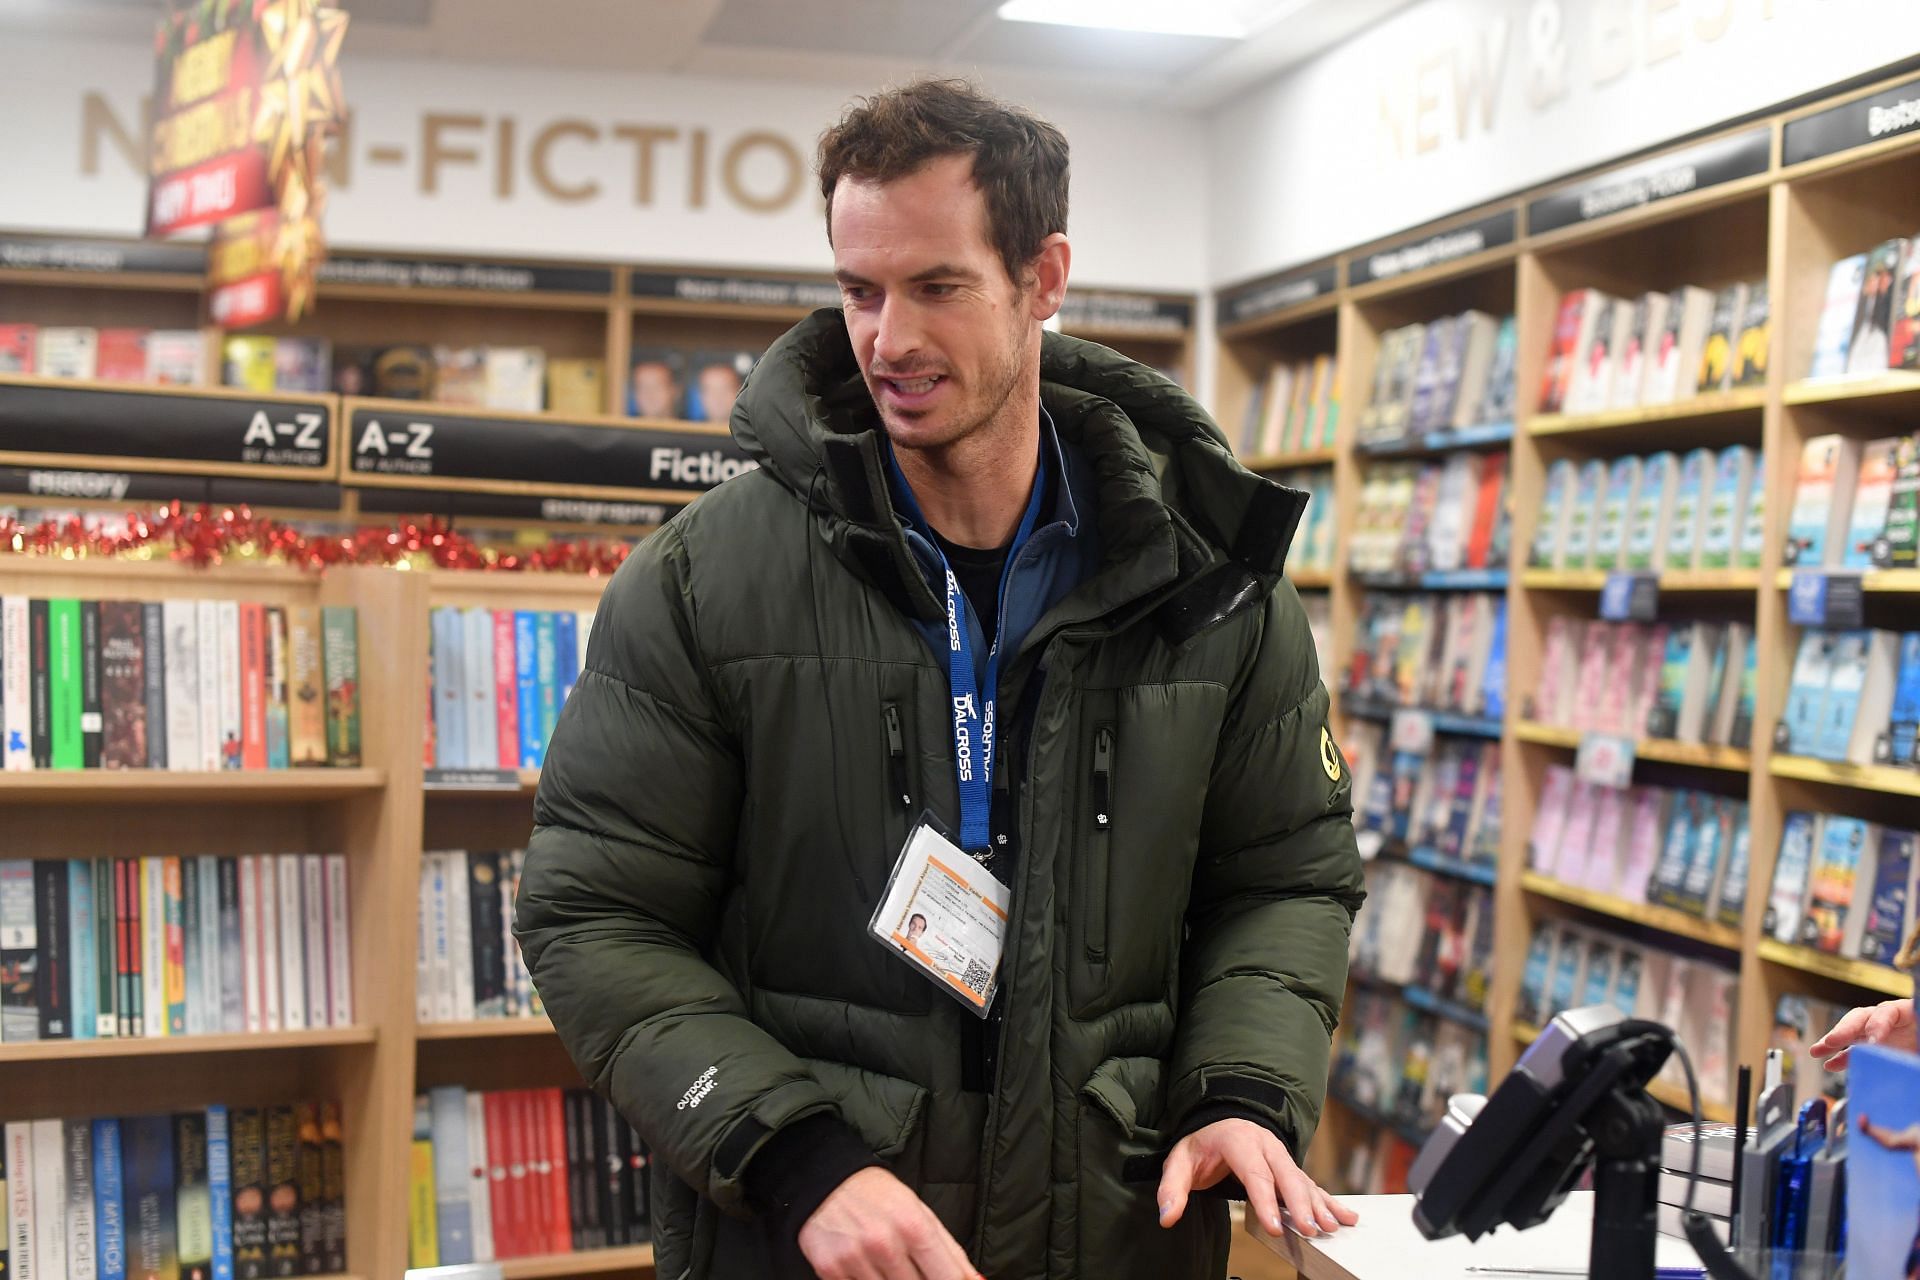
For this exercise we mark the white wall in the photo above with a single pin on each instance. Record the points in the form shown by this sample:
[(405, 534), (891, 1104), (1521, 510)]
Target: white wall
[(1452, 102), (1139, 178)]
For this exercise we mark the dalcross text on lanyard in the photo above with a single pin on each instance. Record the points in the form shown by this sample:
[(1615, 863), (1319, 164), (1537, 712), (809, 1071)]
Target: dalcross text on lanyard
[(974, 693)]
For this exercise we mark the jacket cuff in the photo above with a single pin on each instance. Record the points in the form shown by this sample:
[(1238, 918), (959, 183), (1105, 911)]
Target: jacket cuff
[(1226, 1109), (796, 1168)]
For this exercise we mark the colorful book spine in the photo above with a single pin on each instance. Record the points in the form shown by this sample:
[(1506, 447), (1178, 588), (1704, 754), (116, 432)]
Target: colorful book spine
[(505, 690), (176, 948), (106, 941), (192, 964), (278, 670), (310, 1162), (1887, 909), (307, 692), (109, 1200), (249, 1193), (49, 1198), (220, 1192), (54, 928), (339, 942), (193, 1196), (40, 684), (566, 652), (151, 1196), (230, 681), (153, 946), (333, 1219), (527, 688), (290, 914), (233, 954), (340, 651), (83, 1261), (253, 686), (283, 1196), (16, 697), (153, 642), (18, 1138), (85, 999), (92, 723), (63, 630), (546, 675), (313, 936)]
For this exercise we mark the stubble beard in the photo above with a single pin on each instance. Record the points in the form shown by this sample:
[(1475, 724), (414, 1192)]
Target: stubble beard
[(975, 418)]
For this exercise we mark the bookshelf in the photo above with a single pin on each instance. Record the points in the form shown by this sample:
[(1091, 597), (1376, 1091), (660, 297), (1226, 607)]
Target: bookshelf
[(1769, 220)]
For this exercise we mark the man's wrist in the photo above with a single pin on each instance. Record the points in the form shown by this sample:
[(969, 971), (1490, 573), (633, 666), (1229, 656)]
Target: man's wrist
[(797, 1168)]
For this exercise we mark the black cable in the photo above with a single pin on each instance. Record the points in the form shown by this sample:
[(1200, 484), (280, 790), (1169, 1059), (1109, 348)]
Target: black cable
[(1719, 1263)]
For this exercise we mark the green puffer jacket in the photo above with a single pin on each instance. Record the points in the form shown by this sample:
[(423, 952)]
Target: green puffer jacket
[(720, 808)]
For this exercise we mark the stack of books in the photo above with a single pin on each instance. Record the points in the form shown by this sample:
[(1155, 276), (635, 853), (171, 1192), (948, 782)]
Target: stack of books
[(521, 1173), (1446, 799), (179, 684), (1448, 374), (1623, 353), (1689, 682), (1570, 966), (1672, 847), (1856, 505), (153, 357), (1404, 1064), (1427, 930), (1653, 514), (1297, 410), (469, 964), (1870, 321), (1844, 886), (498, 680), (1854, 696), (247, 1192), (1433, 516), (1440, 651), (123, 947)]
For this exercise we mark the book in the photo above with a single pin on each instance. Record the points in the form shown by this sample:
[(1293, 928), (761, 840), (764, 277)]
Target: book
[(49, 1197), (1589, 493), (1872, 337), (92, 724), (476, 666), (1800, 836), (1822, 498), (18, 1139), (193, 1196), (1647, 320), (1872, 496), (1621, 494), (1750, 351), (1572, 336), (333, 1189), (250, 1193), (1727, 504), (1903, 350), (63, 665), (283, 1195), (220, 1192), (1649, 528), (214, 719), (250, 362), (148, 1172), (515, 379), (109, 1200), (1903, 717), (307, 689), (84, 1001), (1593, 373), (175, 357), (53, 928), (453, 1211), (1835, 331), (276, 675), (18, 343), (40, 683), (1883, 1193), (341, 659), (460, 375), (1883, 926), (1672, 370), (1716, 357), (310, 1165), (1857, 709), (123, 685), (120, 355), (16, 698), (20, 967), (1807, 691), (576, 385), (67, 351)]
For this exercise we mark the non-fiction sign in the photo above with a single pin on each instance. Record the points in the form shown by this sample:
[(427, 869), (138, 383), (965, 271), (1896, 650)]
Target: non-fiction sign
[(1886, 114), (1835, 601), (1282, 292), (1664, 177), (478, 277), (194, 434), (422, 447), (1419, 253), (735, 291), (101, 257)]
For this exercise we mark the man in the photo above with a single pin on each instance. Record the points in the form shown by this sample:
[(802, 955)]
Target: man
[(1007, 598)]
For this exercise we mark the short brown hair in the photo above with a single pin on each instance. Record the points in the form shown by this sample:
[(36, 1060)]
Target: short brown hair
[(1019, 160)]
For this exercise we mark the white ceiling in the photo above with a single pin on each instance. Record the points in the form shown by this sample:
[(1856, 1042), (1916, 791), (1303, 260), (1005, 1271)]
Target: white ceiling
[(845, 42)]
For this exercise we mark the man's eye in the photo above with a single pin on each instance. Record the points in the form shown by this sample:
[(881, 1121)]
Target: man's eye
[(938, 290)]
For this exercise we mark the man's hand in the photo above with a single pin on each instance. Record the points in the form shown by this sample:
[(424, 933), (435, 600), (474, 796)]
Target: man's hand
[(1889, 1024), (1251, 1153), (874, 1228)]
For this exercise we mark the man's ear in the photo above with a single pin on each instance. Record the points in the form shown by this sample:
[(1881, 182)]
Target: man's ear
[(1050, 268)]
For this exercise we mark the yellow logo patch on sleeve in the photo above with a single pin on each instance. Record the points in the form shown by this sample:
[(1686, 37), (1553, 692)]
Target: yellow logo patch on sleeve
[(1329, 757)]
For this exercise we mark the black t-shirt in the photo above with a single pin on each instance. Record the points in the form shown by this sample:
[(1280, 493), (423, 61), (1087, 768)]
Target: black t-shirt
[(978, 573)]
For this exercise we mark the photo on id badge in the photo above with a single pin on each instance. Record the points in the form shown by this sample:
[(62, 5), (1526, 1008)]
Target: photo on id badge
[(946, 915)]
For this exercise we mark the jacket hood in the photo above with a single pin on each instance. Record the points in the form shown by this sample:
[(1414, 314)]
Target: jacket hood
[(1186, 530)]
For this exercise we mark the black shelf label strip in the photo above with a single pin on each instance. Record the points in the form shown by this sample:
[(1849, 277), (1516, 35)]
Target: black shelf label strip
[(1887, 114), (1494, 231), (396, 444), (1276, 293), (1666, 177), (101, 257), (92, 425), (473, 277), (1105, 309), (735, 291), (551, 509)]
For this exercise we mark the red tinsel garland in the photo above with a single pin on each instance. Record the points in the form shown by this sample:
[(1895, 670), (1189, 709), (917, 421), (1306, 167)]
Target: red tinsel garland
[(203, 536)]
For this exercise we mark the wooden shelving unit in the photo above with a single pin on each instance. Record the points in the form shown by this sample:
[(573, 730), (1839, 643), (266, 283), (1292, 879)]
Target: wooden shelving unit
[(588, 1262), (1786, 226), (1645, 914), (485, 1029), (142, 786), (188, 1046)]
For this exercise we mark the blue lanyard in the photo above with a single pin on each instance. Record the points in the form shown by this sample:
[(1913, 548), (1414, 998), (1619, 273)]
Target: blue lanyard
[(973, 693)]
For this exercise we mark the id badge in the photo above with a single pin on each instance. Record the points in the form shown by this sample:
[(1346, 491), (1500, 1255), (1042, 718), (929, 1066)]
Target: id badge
[(946, 915)]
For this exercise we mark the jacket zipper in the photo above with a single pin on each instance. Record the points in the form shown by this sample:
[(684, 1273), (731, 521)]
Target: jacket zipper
[(1101, 813), (897, 757)]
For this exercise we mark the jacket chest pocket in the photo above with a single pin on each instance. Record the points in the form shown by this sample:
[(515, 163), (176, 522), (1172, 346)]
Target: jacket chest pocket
[(1093, 864)]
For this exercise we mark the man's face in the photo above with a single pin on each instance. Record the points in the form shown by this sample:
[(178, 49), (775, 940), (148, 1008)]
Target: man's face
[(719, 388), (654, 390), (942, 335)]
